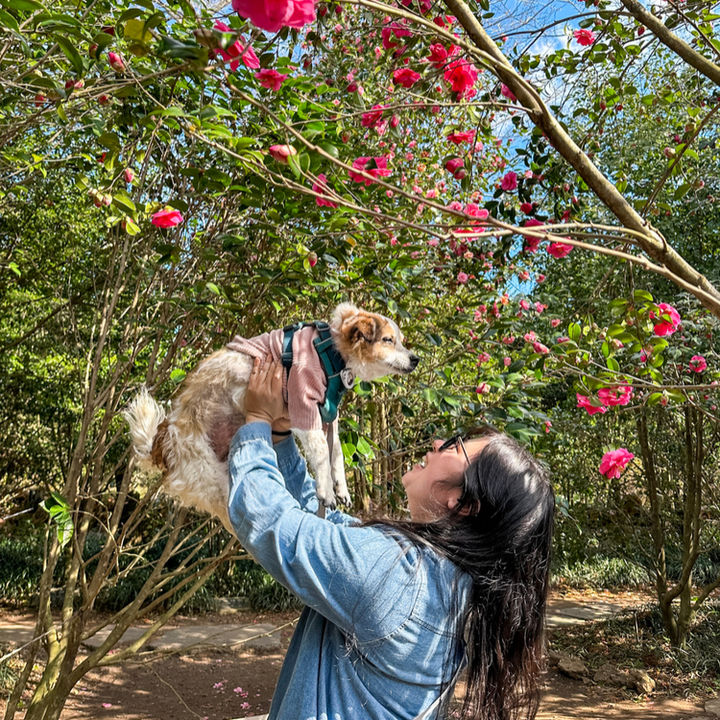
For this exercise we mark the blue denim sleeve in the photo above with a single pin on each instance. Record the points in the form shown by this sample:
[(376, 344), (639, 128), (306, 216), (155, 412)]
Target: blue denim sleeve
[(359, 578), (300, 484)]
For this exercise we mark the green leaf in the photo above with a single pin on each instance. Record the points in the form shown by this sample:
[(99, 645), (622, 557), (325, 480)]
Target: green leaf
[(364, 448), (123, 202), (24, 5), (177, 375), (642, 296), (59, 511), (574, 332), (68, 48), (213, 288)]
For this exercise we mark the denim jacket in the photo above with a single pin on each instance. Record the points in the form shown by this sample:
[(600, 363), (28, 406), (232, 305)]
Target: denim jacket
[(375, 638)]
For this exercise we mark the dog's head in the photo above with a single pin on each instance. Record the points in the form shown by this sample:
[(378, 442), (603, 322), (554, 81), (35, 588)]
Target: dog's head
[(370, 344)]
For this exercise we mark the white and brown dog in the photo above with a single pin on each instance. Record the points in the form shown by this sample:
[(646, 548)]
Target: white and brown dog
[(190, 445)]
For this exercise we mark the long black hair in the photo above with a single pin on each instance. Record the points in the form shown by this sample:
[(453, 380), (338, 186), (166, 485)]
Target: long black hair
[(500, 535)]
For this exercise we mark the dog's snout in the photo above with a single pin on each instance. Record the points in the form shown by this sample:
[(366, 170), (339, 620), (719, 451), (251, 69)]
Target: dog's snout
[(414, 360)]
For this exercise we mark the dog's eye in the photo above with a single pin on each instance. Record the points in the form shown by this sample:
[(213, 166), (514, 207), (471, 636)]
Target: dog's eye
[(388, 339)]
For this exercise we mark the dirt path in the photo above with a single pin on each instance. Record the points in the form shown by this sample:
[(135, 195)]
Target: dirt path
[(224, 684)]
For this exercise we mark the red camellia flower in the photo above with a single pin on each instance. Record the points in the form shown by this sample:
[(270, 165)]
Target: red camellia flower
[(271, 15), (668, 322), (393, 29), (455, 166), (375, 166), (459, 136), (281, 153), (237, 52), (614, 462), (584, 402), (373, 116), (321, 187), (526, 207), (584, 37), (559, 250), (270, 79), (129, 175), (439, 55), (697, 363), (405, 77), (615, 395), (461, 76), (166, 218)]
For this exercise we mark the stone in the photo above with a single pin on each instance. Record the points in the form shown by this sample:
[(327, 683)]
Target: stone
[(608, 674), (130, 635), (712, 707), (230, 605), (572, 667), (641, 681)]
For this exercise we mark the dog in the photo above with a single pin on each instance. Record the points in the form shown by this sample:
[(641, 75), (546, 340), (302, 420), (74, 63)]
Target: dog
[(190, 445)]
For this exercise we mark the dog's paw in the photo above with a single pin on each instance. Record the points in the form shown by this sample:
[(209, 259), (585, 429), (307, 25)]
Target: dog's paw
[(327, 500), (344, 498)]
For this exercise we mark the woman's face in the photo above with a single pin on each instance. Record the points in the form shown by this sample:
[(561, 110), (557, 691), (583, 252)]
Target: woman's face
[(435, 484)]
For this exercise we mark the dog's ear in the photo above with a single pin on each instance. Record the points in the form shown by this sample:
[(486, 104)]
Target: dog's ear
[(363, 327), (343, 313)]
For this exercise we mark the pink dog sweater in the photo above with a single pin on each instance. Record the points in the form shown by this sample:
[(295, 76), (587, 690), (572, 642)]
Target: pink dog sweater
[(305, 386)]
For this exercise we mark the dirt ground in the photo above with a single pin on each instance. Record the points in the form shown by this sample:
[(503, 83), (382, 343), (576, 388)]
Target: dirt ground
[(220, 685)]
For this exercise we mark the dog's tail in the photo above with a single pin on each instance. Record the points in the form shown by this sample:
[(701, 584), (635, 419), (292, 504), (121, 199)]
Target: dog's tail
[(145, 416)]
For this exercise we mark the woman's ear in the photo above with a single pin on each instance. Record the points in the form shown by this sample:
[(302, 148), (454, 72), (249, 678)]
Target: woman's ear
[(454, 501)]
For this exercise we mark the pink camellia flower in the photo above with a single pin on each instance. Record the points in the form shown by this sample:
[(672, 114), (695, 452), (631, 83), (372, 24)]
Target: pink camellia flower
[(321, 187), (116, 62), (237, 52), (129, 175), (454, 164), (439, 55), (697, 363), (559, 250), (377, 168), (530, 337), (281, 153), (548, 425), (538, 347), (271, 15), (462, 278), (524, 304), (461, 136), (482, 388), (405, 77), (509, 181), (270, 79), (372, 117), (614, 462), (615, 395), (461, 76), (507, 361), (505, 91), (476, 211), (555, 322), (584, 37), (584, 402), (668, 322), (167, 218)]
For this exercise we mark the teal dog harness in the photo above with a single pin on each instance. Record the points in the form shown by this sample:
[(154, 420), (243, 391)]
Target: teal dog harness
[(338, 378)]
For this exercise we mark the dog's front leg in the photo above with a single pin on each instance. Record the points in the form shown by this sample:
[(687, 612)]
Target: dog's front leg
[(316, 452), (338, 470)]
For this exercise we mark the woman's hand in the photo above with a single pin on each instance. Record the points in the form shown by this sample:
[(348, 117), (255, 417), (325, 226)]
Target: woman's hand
[(264, 399)]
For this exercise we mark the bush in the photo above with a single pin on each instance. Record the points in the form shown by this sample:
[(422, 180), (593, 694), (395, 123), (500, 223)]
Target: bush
[(600, 572), (20, 569)]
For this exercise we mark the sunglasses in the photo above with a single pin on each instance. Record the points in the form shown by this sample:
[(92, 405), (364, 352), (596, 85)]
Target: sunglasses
[(452, 443)]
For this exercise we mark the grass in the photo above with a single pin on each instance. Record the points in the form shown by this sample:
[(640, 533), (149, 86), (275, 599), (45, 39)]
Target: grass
[(636, 639)]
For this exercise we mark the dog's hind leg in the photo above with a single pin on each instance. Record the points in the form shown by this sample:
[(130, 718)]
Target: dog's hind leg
[(316, 451), (337, 463)]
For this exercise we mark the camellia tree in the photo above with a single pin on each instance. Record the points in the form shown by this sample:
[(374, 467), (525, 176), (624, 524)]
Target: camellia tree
[(229, 166)]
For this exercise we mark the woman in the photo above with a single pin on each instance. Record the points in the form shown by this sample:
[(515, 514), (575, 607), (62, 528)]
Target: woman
[(395, 610)]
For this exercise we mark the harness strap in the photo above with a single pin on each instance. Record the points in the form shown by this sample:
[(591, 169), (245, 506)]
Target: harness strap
[(338, 378)]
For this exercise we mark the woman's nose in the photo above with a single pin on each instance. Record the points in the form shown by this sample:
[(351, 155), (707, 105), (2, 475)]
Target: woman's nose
[(436, 445)]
